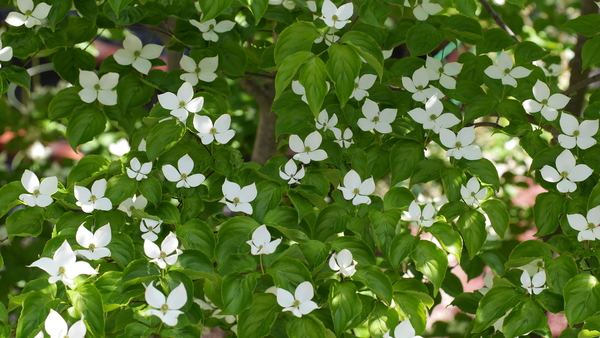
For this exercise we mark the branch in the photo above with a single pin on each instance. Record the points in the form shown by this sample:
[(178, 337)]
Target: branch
[(498, 19), (488, 124), (582, 84)]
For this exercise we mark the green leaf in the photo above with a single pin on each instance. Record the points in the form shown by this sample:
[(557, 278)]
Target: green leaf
[(484, 169), (87, 300), (397, 198), (139, 271), (401, 246), (498, 214), (59, 11), (233, 236), (448, 238), (589, 54), (298, 36), (69, 62), (288, 69), (210, 9), (586, 25), (359, 248), (25, 222), (132, 92), (512, 110), (479, 106), (375, 280), (582, 298), (196, 264), (288, 273), (527, 52), (467, 301), (343, 67), (495, 40), (344, 304), (195, 234), (404, 158), (495, 304), (232, 58), (87, 122), (524, 318), (64, 103), (163, 137), (9, 196), (432, 262), (87, 169), (121, 248), (471, 224), (18, 76), (546, 212), (313, 77), (151, 189), (237, 291), (257, 7), (306, 326), (120, 188), (412, 307), (452, 180), (423, 38), (427, 170), (87, 8), (118, 5), (36, 308), (466, 7), (366, 47), (466, 29), (256, 321), (560, 270)]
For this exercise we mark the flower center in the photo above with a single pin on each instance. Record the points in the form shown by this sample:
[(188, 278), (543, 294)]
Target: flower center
[(62, 270), (296, 303), (36, 192), (458, 144), (92, 247), (564, 174), (356, 191), (97, 86), (213, 131), (376, 119), (93, 198), (150, 228), (591, 226), (236, 200), (576, 133), (441, 70), (164, 308), (355, 85), (507, 71), (306, 149), (211, 27), (197, 70), (334, 18), (544, 102), (162, 255), (420, 88), (28, 12), (433, 117), (472, 194), (181, 104), (137, 53), (184, 176)]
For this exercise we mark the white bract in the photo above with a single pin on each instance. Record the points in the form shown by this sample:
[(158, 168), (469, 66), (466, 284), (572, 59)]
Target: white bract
[(460, 143), (343, 263), (568, 173), (472, 193), (94, 199), (95, 242), (40, 194), (291, 173), (329, 38), (546, 104), (137, 170), (160, 256), (345, 139), (309, 149), (135, 202), (403, 330), (418, 86), (6, 53), (182, 104), (181, 175), (38, 152), (432, 118), (166, 308), (423, 218), (324, 122), (204, 70), (361, 85), (150, 228), (334, 16), (261, 243), (208, 132), (505, 71), (376, 119), (356, 190), (62, 266), (30, 16), (133, 53), (534, 284), (210, 28), (575, 134), (423, 9), (289, 4), (57, 327), (587, 226), (119, 148), (300, 303), (238, 199), (98, 88), (444, 73)]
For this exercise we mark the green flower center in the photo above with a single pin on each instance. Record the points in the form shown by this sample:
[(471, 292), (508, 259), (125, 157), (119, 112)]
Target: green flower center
[(441, 70), (296, 303), (420, 88), (36, 192), (236, 200), (62, 270), (564, 174), (213, 131), (92, 247), (334, 18), (356, 191), (197, 70), (591, 226), (137, 53), (93, 198), (164, 308), (28, 12), (162, 255), (211, 27), (576, 133), (97, 86), (544, 102), (182, 104), (433, 117), (306, 149), (376, 119), (507, 71), (458, 144), (150, 228), (184, 176)]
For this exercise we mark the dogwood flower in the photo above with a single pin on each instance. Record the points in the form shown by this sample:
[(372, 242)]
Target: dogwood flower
[(40, 194), (6, 53), (460, 143), (100, 89), (166, 308), (418, 86), (183, 103), (160, 256), (291, 173), (472, 193), (329, 38), (324, 122), (505, 71), (361, 85), (356, 190), (403, 330), (132, 203), (31, 16), (345, 139), (204, 70), (308, 150), (300, 303), (423, 218), (150, 228), (534, 284), (138, 171), (568, 172), (62, 266), (444, 73), (288, 4), (575, 134), (343, 263), (432, 117), (38, 152), (423, 9), (587, 226), (219, 131), (95, 242), (133, 53), (210, 28), (376, 119), (94, 199), (546, 104), (181, 175), (261, 243), (334, 16), (57, 327), (238, 199), (119, 148)]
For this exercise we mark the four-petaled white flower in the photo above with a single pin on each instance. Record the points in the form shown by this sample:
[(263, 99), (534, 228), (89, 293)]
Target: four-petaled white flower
[(432, 118), (460, 143), (261, 243), (309, 149), (95, 242), (160, 256), (403, 330), (6, 53), (533, 284), (423, 9), (356, 190), (575, 134), (133, 53), (300, 303), (62, 266), (361, 85), (119, 148), (182, 104), (210, 28), (181, 175), (291, 173), (343, 263), (324, 122), (98, 88), (94, 199), (219, 131), (57, 327), (443, 73), (546, 104), (418, 86), (472, 193), (204, 70), (40, 194), (568, 172), (505, 71), (135, 202), (150, 228), (587, 226), (345, 139), (376, 119), (166, 308), (38, 152), (334, 16), (138, 171), (238, 199), (423, 218), (31, 16)]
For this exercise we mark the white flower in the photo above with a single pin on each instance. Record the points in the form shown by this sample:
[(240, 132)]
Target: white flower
[(261, 243), (343, 263), (219, 131), (324, 122), (545, 103), (135, 202), (119, 148), (423, 9), (330, 37), (423, 218), (418, 86), (472, 193), (6, 53), (62, 266), (183, 103), (587, 226), (291, 174), (31, 16), (356, 190), (138, 171), (300, 303), (101, 89), (460, 144), (575, 134), (160, 256), (288, 4), (238, 199), (308, 150), (376, 119), (553, 70), (133, 53), (361, 85), (204, 70), (334, 16), (403, 330), (298, 89), (312, 5), (505, 71), (94, 200), (181, 175), (533, 284), (432, 117), (210, 28), (443, 73), (142, 145), (344, 140), (57, 327), (40, 193), (38, 152), (167, 309), (96, 242), (150, 228), (568, 172)]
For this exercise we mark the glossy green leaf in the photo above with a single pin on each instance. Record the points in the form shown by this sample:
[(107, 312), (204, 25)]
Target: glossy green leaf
[(344, 305), (343, 68), (432, 262), (472, 227)]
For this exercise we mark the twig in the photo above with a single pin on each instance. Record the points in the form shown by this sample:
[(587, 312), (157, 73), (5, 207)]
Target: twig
[(264, 76), (574, 88), (94, 39), (498, 19), (3, 239), (487, 124)]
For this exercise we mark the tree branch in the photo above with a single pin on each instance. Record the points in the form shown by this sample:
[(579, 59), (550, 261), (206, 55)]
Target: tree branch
[(582, 84), (498, 19)]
